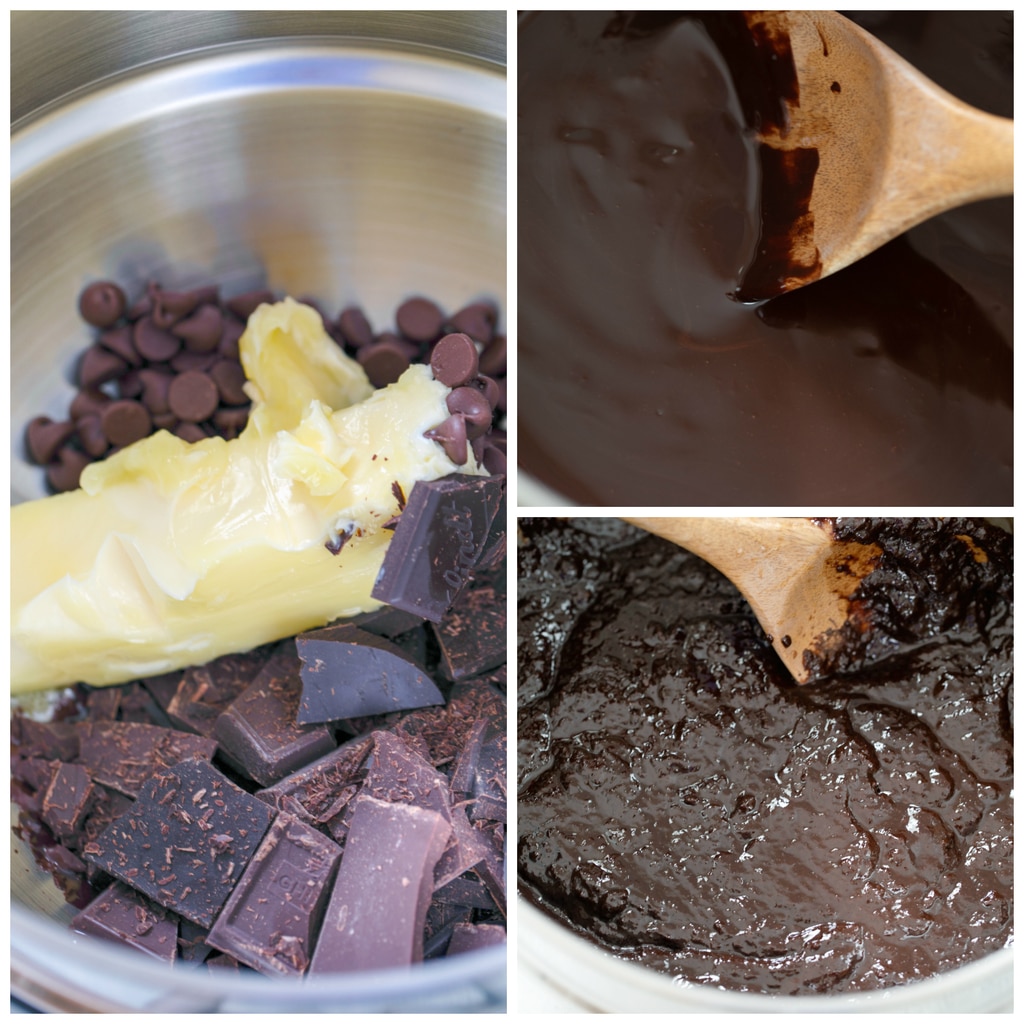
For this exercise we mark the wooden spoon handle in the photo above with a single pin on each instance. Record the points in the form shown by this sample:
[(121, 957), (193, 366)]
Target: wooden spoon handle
[(762, 556)]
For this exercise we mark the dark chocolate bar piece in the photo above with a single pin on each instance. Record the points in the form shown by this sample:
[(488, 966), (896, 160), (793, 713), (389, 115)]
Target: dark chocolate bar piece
[(50, 740), (120, 914), (397, 774), (271, 920), (495, 547), (438, 541), (319, 791), (441, 921), (205, 691), (480, 771), (473, 634), (349, 673), (468, 937), (186, 840), (68, 797), (258, 733), (378, 908), (386, 621), (445, 730), (123, 755)]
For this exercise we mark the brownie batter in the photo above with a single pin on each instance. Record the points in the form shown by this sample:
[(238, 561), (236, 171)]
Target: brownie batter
[(644, 382), (684, 804)]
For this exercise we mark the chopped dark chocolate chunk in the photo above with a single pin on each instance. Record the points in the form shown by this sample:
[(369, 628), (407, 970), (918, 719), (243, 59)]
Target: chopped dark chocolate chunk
[(192, 944), (468, 937), (387, 621), (51, 740), (377, 913), (67, 799), (123, 755), (480, 773), (186, 840), (397, 774), (35, 772), (348, 672), (271, 920), (466, 891), (465, 850), (322, 789), (104, 703), (259, 734), (122, 915), (205, 691), (472, 635), (437, 543), (441, 921), (445, 730)]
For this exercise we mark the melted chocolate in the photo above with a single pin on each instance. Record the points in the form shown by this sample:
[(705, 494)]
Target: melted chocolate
[(685, 805), (644, 382)]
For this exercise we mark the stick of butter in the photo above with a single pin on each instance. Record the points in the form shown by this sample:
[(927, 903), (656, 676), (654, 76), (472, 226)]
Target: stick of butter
[(171, 554)]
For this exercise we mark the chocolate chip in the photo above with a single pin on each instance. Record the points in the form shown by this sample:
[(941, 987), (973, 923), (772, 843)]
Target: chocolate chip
[(451, 436), (170, 307), (129, 385), (101, 304), (474, 407), (119, 341), (126, 421), (419, 319), (202, 330), (384, 361), (91, 436), (190, 432), (99, 365), (231, 421), (154, 343), (494, 460), (155, 385), (88, 402), (355, 328), (229, 377), (43, 437), (193, 396), (244, 305), (477, 320), (186, 360), (233, 330), (489, 388), (164, 421), (454, 360), (63, 475), (493, 359), (143, 306)]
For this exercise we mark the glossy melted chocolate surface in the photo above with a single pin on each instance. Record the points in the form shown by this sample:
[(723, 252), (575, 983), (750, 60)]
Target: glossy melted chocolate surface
[(683, 804), (644, 382)]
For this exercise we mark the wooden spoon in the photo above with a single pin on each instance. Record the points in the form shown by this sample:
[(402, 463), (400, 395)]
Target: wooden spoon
[(796, 577), (870, 147)]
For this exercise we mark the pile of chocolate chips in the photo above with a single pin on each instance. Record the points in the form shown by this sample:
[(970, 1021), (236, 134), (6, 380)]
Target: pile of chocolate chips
[(333, 802), (169, 361)]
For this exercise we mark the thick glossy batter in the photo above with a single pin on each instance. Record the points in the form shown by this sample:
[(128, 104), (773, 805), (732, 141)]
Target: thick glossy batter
[(643, 383), (684, 804)]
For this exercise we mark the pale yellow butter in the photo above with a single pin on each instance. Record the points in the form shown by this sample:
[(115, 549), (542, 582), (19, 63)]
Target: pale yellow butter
[(172, 553)]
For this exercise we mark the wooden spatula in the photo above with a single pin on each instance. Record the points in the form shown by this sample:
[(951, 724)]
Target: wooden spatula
[(879, 146), (796, 577)]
